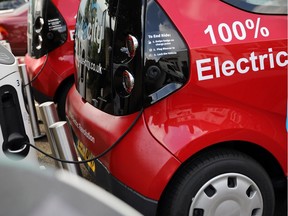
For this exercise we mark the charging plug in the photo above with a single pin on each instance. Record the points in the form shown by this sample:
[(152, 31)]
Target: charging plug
[(16, 145)]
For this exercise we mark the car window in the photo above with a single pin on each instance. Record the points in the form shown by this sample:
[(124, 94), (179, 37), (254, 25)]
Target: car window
[(11, 4), (261, 6)]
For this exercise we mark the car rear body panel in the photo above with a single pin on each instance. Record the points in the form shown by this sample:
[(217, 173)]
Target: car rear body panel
[(231, 90), (49, 66)]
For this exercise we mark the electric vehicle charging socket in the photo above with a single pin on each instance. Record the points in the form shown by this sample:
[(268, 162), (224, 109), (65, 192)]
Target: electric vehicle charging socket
[(16, 131)]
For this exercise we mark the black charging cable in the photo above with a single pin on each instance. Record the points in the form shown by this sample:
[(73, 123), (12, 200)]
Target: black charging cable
[(101, 154), (38, 73)]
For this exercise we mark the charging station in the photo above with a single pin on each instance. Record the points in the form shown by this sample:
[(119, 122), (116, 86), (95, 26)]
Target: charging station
[(15, 123)]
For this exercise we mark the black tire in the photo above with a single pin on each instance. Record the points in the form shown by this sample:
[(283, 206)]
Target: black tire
[(219, 167), (61, 100)]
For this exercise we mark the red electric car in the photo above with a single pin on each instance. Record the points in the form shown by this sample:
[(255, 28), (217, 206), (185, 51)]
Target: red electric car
[(50, 58), (184, 103), (13, 29)]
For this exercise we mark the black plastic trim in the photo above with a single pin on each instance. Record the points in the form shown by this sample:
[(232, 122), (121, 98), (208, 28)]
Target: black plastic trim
[(104, 179)]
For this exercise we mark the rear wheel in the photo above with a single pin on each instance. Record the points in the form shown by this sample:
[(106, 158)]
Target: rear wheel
[(219, 183)]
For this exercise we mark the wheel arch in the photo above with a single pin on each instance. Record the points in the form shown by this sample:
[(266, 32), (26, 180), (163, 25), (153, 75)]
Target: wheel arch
[(258, 153), (68, 80), (265, 158), (60, 96)]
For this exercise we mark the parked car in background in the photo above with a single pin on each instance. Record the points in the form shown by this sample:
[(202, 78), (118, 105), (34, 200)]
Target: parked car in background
[(50, 58), (184, 103), (13, 29), (11, 4)]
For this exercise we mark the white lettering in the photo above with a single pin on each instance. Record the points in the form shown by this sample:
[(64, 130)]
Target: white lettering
[(201, 69), (261, 60), (217, 68), (253, 59), (278, 59), (81, 129), (72, 32), (239, 68), (210, 68), (228, 68), (271, 60)]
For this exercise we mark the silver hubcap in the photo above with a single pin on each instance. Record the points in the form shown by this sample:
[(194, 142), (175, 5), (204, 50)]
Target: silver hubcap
[(229, 194)]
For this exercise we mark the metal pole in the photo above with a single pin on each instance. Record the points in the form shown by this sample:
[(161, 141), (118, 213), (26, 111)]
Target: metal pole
[(65, 145), (31, 104), (49, 116)]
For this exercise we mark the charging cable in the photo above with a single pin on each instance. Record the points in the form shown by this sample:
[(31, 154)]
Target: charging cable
[(101, 154), (38, 73)]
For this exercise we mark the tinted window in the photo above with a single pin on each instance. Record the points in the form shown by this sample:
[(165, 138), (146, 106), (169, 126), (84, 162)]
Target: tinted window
[(261, 6), (102, 61), (11, 4)]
